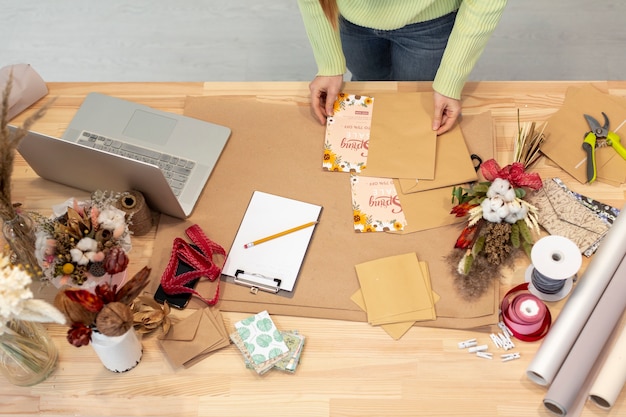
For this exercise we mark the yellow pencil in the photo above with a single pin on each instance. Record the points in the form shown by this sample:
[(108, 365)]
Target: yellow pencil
[(283, 233)]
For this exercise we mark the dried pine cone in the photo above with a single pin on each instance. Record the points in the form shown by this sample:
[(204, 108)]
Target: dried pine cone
[(497, 245), (114, 319)]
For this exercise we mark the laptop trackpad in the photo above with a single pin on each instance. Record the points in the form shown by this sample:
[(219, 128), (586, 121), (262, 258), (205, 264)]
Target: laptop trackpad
[(150, 127)]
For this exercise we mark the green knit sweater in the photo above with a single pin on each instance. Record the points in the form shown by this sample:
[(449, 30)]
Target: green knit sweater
[(475, 21)]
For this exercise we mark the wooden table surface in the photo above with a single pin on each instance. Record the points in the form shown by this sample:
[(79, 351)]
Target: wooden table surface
[(348, 368)]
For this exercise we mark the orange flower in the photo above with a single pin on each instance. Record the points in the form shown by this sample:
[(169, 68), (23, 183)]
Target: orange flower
[(462, 209), (466, 238), (90, 301)]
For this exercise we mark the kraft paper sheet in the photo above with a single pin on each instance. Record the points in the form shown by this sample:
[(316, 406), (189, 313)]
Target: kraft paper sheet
[(394, 290), (275, 147), (398, 329)]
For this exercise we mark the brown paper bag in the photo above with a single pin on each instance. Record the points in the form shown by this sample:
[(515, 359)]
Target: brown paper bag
[(27, 87)]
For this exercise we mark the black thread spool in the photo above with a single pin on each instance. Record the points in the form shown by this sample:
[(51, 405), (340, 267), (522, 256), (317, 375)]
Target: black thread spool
[(555, 263)]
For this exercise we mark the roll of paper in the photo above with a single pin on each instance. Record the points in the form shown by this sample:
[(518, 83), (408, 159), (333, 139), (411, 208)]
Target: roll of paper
[(566, 390), (578, 307), (612, 376)]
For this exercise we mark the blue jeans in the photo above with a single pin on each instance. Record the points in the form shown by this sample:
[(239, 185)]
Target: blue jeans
[(411, 53)]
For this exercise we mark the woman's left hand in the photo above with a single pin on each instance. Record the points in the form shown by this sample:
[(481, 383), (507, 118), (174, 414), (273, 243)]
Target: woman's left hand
[(447, 111)]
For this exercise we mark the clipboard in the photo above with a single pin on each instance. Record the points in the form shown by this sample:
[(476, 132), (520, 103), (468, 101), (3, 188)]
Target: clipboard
[(274, 264)]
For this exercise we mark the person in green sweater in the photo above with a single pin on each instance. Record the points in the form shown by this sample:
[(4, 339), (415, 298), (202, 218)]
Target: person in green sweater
[(399, 40)]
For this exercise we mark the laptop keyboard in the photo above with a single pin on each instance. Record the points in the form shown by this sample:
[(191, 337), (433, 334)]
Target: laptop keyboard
[(176, 170)]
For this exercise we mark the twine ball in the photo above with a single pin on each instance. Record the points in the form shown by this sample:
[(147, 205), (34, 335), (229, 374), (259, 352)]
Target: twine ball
[(133, 203)]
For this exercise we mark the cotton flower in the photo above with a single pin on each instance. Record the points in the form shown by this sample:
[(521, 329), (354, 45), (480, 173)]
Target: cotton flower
[(490, 208), (114, 220), (501, 188), (85, 251), (517, 211)]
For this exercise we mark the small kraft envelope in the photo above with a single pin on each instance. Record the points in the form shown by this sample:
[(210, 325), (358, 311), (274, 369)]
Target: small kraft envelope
[(195, 337), (561, 214)]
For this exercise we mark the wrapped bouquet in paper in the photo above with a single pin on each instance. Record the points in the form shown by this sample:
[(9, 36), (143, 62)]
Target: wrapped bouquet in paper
[(499, 223)]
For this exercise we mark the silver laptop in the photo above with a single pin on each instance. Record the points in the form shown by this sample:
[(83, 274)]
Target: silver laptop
[(114, 144)]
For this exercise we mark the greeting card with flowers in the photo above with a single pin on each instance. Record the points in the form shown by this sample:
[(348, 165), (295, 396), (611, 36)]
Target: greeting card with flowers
[(348, 134), (375, 204), (84, 242), (499, 223)]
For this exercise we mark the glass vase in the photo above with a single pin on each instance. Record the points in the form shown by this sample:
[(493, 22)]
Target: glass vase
[(27, 353), (19, 233)]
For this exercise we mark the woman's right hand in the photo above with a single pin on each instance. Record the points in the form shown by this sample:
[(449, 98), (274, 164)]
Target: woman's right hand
[(324, 91)]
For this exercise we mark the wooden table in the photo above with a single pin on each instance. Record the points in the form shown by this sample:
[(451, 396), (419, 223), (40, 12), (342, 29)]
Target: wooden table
[(348, 368)]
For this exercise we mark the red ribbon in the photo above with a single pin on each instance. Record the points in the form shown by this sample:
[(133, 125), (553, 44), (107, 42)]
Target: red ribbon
[(513, 173), (201, 261), (526, 325)]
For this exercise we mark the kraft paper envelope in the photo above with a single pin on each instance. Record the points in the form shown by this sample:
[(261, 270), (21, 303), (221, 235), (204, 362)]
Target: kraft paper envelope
[(394, 289), (453, 164), (194, 337), (427, 209), (561, 214), (402, 143), (565, 131)]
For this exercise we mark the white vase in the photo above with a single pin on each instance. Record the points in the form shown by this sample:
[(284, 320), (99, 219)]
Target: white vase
[(118, 353)]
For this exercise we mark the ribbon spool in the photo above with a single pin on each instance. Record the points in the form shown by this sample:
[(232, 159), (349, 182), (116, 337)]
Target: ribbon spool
[(527, 317), (134, 205), (555, 263)]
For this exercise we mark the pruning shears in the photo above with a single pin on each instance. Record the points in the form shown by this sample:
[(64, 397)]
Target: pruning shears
[(591, 142)]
